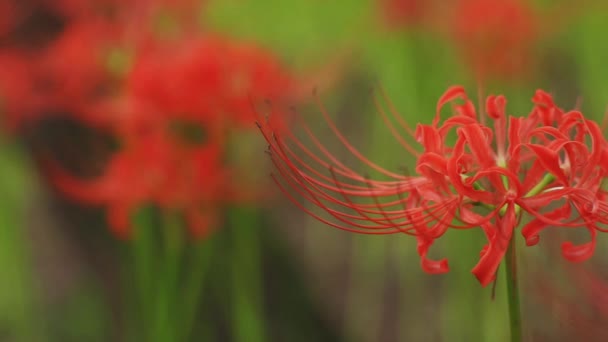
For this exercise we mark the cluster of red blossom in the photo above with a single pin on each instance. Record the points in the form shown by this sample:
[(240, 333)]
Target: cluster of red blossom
[(549, 164), (169, 95), (496, 39)]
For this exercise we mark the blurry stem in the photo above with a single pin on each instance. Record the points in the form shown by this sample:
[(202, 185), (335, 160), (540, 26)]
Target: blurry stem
[(143, 256), (513, 293), (247, 315), (193, 285), (20, 318), (167, 304)]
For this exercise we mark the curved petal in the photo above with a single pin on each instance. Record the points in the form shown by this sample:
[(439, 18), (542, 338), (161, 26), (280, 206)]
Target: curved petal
[(579, 253), (430, 266)]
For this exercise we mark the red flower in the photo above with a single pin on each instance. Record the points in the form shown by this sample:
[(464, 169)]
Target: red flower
[(495, 37), (202, 79), (180, 100), (544, 164), (404, 13), (64, 77), (155, 166), (77, 74), (169, 101)]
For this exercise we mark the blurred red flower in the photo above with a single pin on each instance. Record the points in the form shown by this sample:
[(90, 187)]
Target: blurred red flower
[(496, 38), (153, 166), (179, 101), (208, 79), (170, 99), (65, 77), (404, 13), (549, 164)]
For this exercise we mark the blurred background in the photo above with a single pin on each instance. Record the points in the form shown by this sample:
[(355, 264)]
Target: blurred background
[(136, 202)]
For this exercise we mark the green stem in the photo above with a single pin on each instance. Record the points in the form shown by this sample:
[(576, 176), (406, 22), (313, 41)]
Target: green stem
[(144, 288), (167, 306), (193, 284), (538, 188), (513, 293), (247, 295)]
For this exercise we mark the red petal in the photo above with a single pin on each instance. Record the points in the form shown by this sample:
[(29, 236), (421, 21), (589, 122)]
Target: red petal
[(451, 94), (531, 230), (579, 253), (467, 110), (429, 138), (485, 270), (455, 177), (495, 106), (430, 266), (514, 144), (434, 266), (550, 160), (479, 145), (543, 98)]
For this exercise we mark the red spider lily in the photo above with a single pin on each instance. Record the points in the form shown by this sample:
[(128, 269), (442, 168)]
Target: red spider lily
[(496, 38), (403, 13), (203, 78), (77, 75), (64, 77), (170, 104), (72, 68), (179, 101), (156, 166), (549, 164)]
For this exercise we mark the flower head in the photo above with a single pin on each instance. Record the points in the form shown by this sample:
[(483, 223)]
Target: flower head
[(547, 166), (209, 77), (403, 13), (153, 167), (179, 101), (495, 37), (63, 77)]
